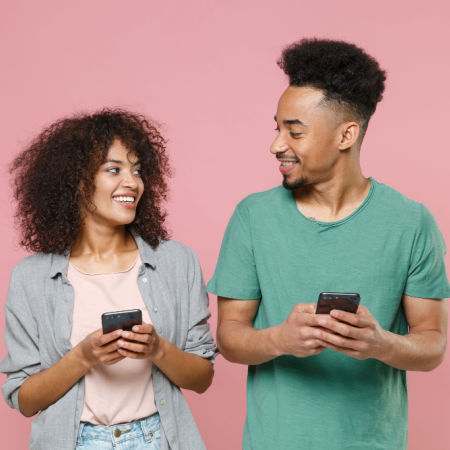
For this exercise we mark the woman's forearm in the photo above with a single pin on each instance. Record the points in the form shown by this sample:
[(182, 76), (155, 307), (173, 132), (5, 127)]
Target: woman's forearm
[(44, 388), (186, 370)]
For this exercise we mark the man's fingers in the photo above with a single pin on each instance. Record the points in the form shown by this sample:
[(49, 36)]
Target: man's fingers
[(346, 351), (311, 320), (306, 308), (357, 320), (337, 340), (329, 324), (313, 344)]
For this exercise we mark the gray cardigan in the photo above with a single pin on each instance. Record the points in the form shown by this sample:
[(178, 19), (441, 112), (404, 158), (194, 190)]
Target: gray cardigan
[(39, 309)]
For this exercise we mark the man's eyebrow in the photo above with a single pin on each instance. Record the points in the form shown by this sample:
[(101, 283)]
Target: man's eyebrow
[(291, 121)]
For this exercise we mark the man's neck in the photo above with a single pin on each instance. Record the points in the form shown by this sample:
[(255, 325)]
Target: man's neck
[(333, 199)]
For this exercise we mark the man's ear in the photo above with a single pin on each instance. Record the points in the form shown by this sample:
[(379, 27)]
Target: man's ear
[(349, 134)]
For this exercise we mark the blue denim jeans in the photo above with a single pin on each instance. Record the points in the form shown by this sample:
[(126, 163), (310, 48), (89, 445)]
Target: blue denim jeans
[(143, 434)]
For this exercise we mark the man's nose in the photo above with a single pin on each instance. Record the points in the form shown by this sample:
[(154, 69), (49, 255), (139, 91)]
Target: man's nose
[(278, 145)]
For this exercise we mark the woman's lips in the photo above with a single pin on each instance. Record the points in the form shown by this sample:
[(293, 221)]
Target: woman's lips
[(125, 204)]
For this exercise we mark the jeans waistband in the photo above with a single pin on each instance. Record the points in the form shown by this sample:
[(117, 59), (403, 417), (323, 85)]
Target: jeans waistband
[(146, 427)]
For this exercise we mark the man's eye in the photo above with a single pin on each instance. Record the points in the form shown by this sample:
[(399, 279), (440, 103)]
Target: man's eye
[(295, 135)]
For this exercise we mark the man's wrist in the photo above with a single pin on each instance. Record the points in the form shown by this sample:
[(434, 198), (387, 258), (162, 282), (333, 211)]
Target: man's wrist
[(275, 341), (385, 351)]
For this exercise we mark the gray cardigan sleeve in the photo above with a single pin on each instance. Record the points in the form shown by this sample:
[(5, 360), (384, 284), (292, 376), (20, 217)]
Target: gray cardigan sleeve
[(199, 339), (21, 337)]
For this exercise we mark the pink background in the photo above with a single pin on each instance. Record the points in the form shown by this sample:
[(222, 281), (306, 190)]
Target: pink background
[(206, 71)]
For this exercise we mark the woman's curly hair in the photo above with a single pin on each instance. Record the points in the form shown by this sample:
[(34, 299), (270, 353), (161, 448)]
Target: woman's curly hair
[(53, 177), (346, 74)]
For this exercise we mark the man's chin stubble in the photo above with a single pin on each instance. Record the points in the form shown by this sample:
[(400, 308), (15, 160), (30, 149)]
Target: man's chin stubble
[(293, 186)]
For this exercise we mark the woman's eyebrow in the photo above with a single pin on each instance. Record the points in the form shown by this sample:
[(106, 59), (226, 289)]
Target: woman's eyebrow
[(118, 161)]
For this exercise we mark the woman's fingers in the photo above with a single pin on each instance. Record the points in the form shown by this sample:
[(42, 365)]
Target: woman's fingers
[(100, 339), (113, 359), (141, 333)]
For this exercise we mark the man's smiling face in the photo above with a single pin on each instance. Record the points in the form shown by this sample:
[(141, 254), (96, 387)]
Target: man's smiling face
[(309, 134)]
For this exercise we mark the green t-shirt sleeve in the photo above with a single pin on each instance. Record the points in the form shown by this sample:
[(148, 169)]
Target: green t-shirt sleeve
[(235, 275), (427, 277)]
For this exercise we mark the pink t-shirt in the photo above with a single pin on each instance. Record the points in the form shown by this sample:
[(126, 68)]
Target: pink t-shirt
[(122, 392)]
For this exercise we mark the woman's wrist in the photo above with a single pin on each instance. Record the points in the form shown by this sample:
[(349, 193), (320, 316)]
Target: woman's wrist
[(81, 358), (159, 354)]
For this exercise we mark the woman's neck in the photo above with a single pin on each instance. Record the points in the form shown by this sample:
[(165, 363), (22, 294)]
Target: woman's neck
[(102, 250)]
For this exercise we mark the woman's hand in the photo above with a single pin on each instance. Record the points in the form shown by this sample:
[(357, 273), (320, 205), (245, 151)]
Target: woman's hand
[(186, 370), (142, 342), (101, 348)]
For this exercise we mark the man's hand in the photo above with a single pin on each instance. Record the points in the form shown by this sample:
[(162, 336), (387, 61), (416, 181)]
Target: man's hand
[(297, 335), (357, 335), (142, 342)]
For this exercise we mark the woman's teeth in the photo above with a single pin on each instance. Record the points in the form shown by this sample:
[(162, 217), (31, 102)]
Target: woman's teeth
[(124, 199)]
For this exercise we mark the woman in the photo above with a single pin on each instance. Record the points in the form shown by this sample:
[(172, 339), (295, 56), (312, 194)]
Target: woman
[(90, 192)]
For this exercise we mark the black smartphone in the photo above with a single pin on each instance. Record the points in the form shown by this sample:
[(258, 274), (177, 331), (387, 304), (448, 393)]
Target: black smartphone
[(345, 301), (121, 320)]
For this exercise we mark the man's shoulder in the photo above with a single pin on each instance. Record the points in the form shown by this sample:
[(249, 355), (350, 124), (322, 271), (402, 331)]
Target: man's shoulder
[(395, 201), (263, 200)]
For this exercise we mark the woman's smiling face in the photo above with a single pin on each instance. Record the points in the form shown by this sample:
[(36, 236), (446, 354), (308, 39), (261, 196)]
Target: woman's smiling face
[(118, 188)]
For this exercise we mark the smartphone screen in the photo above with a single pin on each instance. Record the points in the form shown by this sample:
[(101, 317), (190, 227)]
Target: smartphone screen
[(345, 301), (121, 320)]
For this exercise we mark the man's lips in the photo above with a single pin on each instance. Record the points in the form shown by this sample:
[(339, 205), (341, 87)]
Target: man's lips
[(287, 165)]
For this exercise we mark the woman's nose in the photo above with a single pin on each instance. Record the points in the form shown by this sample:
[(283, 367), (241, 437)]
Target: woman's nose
[(129, 180)]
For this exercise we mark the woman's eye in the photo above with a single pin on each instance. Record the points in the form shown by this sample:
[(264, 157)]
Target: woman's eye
[(295, 135), (112, 169), (137, 172)]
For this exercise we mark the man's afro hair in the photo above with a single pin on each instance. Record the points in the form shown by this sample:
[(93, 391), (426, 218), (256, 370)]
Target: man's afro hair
[(345, 73)]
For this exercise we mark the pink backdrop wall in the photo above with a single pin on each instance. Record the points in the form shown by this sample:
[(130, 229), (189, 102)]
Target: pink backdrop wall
[(206, 71)]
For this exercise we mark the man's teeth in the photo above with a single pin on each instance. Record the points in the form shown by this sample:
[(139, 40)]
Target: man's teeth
[(125, 199), (287, 163)]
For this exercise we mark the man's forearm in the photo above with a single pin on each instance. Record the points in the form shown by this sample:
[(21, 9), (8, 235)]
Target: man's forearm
[(241, 343), (419, 350)]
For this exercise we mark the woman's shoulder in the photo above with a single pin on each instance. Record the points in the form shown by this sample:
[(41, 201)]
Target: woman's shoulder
[(35, 265), (169, 251), (172, 246)]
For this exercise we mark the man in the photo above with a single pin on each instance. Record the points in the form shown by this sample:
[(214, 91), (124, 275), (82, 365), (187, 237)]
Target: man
[(338, 380)]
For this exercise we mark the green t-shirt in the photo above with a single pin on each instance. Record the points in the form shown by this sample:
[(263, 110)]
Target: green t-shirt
[(388, 247)]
